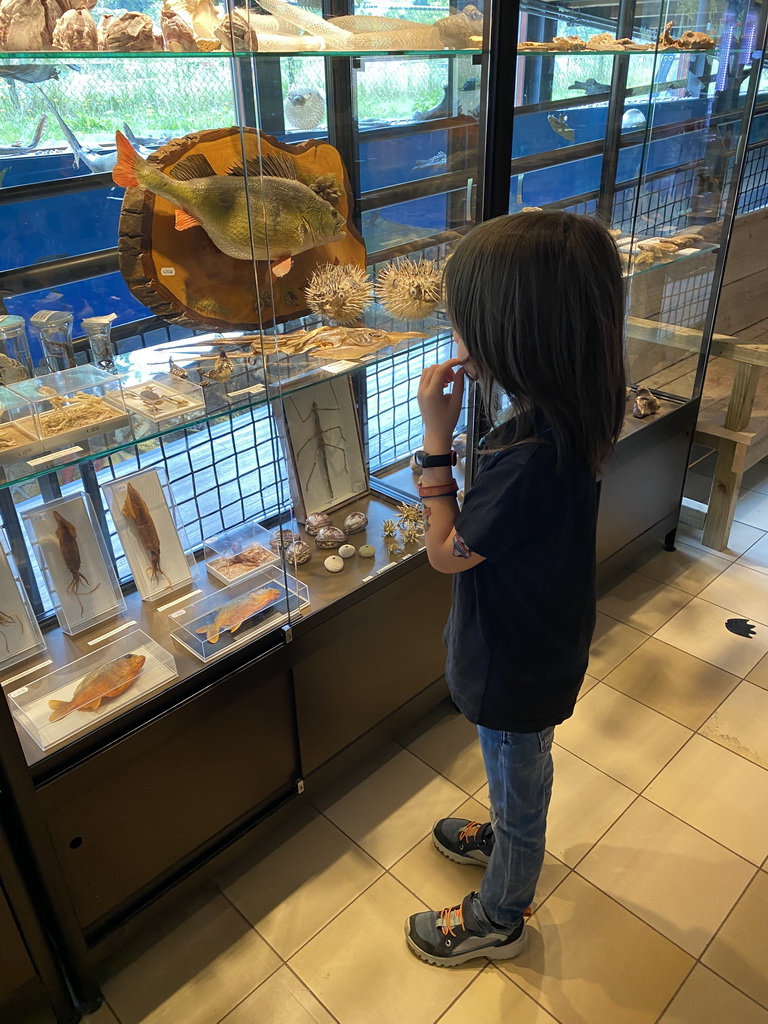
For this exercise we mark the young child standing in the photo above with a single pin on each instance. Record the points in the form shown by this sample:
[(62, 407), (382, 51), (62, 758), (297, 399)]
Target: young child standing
[(537, 304)]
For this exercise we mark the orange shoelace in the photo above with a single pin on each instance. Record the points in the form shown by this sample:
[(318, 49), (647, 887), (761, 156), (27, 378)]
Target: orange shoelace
[(469, 831), (444, 919)]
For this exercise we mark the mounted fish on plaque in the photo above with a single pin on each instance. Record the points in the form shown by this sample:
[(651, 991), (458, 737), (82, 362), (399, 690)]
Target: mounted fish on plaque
[(72, 553), (186, 245), (144, 517), (324, 449)]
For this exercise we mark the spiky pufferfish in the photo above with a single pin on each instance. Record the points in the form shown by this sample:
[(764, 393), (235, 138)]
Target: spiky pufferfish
[(340, 292), (410, 290)]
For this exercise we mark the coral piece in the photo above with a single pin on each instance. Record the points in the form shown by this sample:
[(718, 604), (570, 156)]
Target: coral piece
[(645, 404), (236, 34), (304, 108), (389, 528), (339, 292), (178, 34), (22, 25), (410, 291), (129, 32), (76, 30)]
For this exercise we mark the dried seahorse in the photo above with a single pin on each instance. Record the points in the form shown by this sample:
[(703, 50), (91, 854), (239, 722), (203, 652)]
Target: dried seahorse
[(66, 535), (135, 509)]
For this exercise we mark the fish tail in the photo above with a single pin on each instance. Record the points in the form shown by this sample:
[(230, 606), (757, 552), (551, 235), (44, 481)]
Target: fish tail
[(60, 708), (124, 172)]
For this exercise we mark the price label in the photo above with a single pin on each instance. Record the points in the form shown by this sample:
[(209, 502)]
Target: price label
[(167, 272)]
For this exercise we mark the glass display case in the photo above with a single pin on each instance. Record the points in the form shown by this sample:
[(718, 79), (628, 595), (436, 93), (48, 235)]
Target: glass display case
[(242, 266)]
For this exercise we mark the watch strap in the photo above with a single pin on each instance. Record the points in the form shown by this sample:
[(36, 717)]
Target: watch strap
[(433, 461)]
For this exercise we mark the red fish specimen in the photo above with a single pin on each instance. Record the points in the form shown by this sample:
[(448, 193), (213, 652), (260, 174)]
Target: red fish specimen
[(103, 683), (234, 613)]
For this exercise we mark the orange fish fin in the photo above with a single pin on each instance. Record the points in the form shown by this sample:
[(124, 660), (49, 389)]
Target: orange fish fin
[(213, 639), (55, 705), (185, 221), (93, 706), (234, 629), (60, 708), (281, 269), (124, 171)]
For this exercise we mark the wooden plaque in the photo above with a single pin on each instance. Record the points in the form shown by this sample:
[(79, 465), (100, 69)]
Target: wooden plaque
[(182, 276)]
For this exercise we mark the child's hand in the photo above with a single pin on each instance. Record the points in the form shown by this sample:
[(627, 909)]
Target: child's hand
[(440, 411)]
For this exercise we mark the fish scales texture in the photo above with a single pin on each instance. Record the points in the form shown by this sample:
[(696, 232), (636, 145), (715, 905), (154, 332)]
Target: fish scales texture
[(103, 683), (233, 615), (287, 217)]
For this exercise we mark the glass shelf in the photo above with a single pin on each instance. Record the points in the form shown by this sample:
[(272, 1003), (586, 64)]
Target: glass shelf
[(712, 52), (219, 404), (71, 55)]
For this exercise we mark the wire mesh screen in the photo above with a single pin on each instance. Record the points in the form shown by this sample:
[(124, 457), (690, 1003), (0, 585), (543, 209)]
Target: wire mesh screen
[(754, 182), (685, 301), (663, 204)]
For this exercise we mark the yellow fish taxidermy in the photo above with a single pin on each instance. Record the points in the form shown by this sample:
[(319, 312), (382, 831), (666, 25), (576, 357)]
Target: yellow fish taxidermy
[(234, 613), (287, 216), (103, 683)]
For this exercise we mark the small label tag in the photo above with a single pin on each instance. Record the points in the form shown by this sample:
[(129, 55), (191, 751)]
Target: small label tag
[(18, 693), (340, 367), (55, 455), (105, 636), (687, 252), (167, 272)]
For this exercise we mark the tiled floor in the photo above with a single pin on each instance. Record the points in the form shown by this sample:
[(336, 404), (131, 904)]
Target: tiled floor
[(653, 902)]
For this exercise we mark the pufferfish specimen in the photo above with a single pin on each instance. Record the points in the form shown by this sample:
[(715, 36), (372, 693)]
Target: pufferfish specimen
[(339, 292), (409, 290), (304, 109), (287, 216)]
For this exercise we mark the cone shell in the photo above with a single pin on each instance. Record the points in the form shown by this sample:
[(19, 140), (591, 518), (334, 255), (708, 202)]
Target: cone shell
[(339, 292), (410, 291)]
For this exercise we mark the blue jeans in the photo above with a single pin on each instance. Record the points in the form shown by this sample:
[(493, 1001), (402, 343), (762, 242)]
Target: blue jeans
[(519, 770)]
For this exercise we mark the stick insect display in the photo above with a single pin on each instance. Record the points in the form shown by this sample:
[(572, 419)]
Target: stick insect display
[(325, 447)]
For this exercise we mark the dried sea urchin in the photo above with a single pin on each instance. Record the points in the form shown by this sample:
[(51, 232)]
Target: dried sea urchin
[(409, 290), (339, 292)]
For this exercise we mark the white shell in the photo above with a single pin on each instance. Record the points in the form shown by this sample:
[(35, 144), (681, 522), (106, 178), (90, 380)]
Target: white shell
[(366, 551), (333, 563), (355, 522), (330, 537), (346, 550), (315, 521), (298, 553)]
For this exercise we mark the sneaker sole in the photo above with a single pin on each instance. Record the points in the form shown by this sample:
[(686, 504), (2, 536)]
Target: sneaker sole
[(492, 953), (457, 858)]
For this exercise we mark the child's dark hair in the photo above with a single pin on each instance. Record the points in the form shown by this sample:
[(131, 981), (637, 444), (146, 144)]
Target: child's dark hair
[(538, 300)]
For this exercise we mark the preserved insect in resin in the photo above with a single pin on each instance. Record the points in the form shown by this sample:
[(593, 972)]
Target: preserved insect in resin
[(66, 535)]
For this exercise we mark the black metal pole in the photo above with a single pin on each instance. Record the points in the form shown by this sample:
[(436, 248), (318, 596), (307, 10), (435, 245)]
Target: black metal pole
[(497, 107)]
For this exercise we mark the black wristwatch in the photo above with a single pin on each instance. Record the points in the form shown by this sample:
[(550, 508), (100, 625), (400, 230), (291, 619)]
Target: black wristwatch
[(425, 461)]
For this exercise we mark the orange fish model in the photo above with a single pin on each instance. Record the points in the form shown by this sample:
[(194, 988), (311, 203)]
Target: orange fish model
[(103, 683), (135, 509), (234, 614)]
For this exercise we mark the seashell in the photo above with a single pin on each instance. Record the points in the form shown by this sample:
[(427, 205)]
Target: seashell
[(205, 19), (366, 551), (339, 292), (129, 32), (304, 108), (645, 404), (410, 290), (333, 563), (283, 539), (330, 537), (178, 34), (355, 522), (316, 521), (103, 27), (298, 553), (208, 45), (347, 550), (76, 30), (236, 34), (22, 25)]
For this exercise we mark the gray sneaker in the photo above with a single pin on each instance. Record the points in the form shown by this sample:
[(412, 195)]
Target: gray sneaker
[(454, 935), (463, 841)]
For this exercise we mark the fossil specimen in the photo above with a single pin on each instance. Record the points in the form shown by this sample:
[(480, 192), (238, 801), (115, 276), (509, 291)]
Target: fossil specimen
[(409, 290), (645, 404), (339, 292)]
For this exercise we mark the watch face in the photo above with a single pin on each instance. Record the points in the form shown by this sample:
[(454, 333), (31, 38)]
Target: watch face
[(418, 457)]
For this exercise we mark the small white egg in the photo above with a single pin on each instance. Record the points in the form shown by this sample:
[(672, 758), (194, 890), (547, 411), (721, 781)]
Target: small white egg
[(346, 550), (333, 563)]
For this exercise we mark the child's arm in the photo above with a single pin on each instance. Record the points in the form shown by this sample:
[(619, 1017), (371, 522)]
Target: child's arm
[(446, 551)]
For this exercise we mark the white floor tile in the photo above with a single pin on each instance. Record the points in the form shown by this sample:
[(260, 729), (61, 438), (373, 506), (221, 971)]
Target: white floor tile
[(717, 792), (669, 874), (741, 538), (642, 602), (757, 556), (742, 590), (687, 568), (752, 509), (739, 951), (623, 738), (741, 723), (611, 644), (706, 999), (699, 629)]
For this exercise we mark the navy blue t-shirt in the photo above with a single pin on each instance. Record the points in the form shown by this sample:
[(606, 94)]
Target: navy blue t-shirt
[(521, 622)]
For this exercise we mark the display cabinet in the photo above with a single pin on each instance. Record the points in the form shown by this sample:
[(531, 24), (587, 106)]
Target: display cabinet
[(637, 113), (228, 254)]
